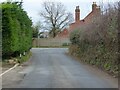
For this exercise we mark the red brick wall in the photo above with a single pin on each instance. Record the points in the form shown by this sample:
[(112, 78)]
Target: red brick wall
[(76, 25), (63, 34)]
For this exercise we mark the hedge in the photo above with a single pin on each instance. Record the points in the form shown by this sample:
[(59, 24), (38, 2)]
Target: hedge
[(97, 42), (16, 29)]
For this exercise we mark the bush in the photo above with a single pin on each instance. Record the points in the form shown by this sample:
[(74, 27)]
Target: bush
[(97, 43), (16, 29), (65, 44)]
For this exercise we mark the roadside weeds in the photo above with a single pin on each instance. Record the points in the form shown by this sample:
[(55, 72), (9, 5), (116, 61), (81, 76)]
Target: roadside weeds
[(6, 66)]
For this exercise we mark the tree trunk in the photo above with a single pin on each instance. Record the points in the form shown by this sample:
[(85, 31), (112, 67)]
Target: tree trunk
[(54, 33)]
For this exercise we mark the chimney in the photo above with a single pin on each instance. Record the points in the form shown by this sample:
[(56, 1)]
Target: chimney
[(77, 14), (94, 5), (98, 8)]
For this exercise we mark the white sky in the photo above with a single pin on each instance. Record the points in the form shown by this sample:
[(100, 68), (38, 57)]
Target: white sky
[(33, 7)]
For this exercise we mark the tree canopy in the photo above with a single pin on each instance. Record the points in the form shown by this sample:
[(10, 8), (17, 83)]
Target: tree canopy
[(56, 17)]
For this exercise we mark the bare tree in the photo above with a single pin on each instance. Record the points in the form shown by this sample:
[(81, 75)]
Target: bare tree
[(56, 17)]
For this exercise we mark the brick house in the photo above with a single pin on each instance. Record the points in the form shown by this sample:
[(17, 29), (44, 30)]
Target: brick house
[(78, 23), (64, 33)]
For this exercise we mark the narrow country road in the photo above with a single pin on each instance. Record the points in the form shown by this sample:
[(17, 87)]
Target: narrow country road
[(52, 68)]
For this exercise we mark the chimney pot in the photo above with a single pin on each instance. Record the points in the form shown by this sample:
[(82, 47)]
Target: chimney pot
[(94, 6)]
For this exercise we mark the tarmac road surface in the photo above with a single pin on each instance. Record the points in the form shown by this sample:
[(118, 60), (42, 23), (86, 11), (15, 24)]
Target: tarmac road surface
[(53, 68)]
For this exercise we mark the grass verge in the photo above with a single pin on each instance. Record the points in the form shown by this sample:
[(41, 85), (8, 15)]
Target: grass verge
[(101, 58), (24, 58), (8, 63)]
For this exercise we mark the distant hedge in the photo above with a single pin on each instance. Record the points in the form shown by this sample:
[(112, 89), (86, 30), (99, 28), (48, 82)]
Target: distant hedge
[(97, 42), (16, 29)]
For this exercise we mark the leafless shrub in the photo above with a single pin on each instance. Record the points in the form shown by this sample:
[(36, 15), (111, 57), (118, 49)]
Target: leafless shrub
[(98, 40)]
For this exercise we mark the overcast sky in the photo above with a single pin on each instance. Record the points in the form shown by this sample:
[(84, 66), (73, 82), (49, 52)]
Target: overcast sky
[(33, 7)]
